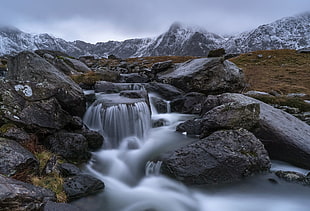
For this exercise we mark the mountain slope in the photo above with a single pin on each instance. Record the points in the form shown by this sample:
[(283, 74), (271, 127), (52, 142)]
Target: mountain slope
[(179, 40), (286, 33)]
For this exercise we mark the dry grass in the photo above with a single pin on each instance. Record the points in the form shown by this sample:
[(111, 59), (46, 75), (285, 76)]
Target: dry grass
[(284, 71), (149, 61)]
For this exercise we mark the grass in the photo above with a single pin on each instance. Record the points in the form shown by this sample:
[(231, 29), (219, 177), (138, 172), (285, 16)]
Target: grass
[(90, 78), (284, 71)]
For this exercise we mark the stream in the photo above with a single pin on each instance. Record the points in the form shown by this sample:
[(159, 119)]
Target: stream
[(128, 165)]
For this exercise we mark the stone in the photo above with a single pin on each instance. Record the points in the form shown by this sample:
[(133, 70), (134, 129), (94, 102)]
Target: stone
[(285, 137), (223, 157), (15, 159), (71, 146), (165, 91), (161, 66), (20, 196), (133, 78), (94, 139), (53, 206), (205, 75), (27, 66), (68, 169), (190, 103), (79, 186)]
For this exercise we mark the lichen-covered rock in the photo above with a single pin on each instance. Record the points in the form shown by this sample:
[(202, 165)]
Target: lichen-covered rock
[(82, 185), (223, 157), (205, 75), (285, 137), (19, 196), (71, 146), (27, 66), (16, 159)]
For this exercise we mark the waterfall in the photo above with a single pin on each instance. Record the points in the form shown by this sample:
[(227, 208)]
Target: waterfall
[(121, 122)]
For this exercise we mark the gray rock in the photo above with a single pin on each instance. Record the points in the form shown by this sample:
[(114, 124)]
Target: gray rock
[(293, 177), (27, 66), (206, 75), (71, 146), (53, 206), (109, 87), (20, 196), (223, 157), (166, 91), (15, 159), (190, 103), (68, 169), (133, 78), (161, 66), (11, 131), (285, 137), (82, 185), (77, 65), (231, 116), (94, 139)]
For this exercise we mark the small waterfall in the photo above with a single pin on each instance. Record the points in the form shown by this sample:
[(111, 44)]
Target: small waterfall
[(152, 168), (119, 122)]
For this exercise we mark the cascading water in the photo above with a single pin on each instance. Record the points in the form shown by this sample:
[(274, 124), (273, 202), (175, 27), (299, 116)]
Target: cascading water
[(132, 178)]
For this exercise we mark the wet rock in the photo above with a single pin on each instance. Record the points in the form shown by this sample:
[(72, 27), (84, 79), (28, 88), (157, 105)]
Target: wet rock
[(206, 75), (17, 195), (53, 206), (294, 177), (11, 131), (161, 66), (109, 87), (68, 169), (15, 159), (285, 137), (223, 157), (27, 66), (82, 185), (192, 127), (166, 91), (94, 139), (190, 103), (71, 146)]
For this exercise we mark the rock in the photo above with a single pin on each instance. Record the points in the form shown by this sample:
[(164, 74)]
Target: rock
[(256, 93), (161, 66), (20, 196), (15, 159), (285, 137), (50, 166), (304, 50), (109, 87), (94, 139), (71, 146), (27, 66), (77, 65), (53, 206), (231, 116), (293, 177), (82, 185), (206, 75), (166, 91), (68, 169), (133, 78), (11, 131), (217, 52), (192, 127), (223, 157), (190, 103)]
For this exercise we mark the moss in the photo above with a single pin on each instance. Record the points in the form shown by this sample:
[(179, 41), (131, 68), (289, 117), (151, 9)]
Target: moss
[(4, 128), (53, 181)]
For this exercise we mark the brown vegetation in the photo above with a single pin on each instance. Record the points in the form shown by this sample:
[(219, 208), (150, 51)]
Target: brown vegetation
[(284, 71)]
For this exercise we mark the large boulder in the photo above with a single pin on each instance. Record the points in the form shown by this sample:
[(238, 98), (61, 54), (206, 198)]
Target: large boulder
[(205, 75), (31, 105), (27, 66), (223, 157), (190, 103), (71, 146), (15, 159), (20, 196), (285, 137), (166, 91)]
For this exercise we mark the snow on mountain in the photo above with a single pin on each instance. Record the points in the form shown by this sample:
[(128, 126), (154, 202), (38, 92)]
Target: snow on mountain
[(179, 40), (286, 33)]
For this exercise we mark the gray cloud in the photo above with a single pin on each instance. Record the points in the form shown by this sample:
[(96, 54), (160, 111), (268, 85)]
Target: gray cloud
[(101, 20)]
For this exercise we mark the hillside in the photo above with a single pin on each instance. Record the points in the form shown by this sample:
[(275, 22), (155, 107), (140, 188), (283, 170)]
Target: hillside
[(284, 71)]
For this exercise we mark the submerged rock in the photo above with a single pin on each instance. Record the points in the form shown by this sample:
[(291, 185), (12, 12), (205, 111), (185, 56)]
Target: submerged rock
[(223, 157), (206, 75), (285, 137), (20, 196)]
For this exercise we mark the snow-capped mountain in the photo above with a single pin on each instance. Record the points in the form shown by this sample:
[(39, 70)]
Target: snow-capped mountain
[(292, 32), (286, 33)]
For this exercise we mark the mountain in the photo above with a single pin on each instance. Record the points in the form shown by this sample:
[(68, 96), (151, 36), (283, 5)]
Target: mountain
[(286, 33), (179, 40)]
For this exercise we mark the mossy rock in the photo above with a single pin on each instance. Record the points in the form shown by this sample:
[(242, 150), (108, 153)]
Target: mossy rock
[(91, 78)]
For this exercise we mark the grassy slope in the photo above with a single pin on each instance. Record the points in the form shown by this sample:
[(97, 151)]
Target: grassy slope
[(284, 71)]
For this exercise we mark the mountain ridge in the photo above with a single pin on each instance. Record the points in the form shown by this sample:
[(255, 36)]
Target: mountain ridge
[(179, 40)]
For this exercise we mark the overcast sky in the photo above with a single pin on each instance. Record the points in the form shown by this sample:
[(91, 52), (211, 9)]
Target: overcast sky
[(103, 20)]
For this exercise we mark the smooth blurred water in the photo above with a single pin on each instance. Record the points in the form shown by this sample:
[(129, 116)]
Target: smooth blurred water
[(133, 183)]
